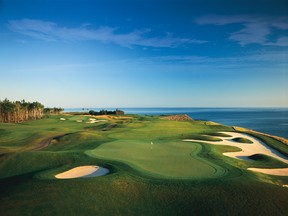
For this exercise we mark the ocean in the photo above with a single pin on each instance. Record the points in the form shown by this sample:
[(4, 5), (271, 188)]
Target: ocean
[(272, 121)]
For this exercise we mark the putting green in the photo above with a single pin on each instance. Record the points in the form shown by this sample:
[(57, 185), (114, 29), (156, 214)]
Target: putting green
[(168, 159)]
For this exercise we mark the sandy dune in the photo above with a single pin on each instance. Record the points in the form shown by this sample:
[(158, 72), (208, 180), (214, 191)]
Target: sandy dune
[(83, 171), (257, 147)]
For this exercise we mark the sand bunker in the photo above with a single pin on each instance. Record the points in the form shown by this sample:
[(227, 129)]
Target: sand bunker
[(62, 119), (278, 172), (92, 121), (256, 147), (83, 172)]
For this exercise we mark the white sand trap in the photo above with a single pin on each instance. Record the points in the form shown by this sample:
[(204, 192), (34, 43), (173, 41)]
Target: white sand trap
[(247, 149), (62, 119), (79, 121), (278, 172), (83, 172), (92, 121), (256, 147)]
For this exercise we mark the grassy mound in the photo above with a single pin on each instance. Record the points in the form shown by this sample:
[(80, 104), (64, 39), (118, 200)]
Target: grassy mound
[(242, 140), (203, 137), (265, 161), (218, 134)]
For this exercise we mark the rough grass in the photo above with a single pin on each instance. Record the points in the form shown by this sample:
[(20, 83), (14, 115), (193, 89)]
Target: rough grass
[(264, 161), (27, 162)]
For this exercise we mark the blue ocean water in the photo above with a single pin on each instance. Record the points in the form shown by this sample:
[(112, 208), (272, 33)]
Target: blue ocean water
[(273, 121)]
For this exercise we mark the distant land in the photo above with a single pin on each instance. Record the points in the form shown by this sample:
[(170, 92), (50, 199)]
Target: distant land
[(268, 120)]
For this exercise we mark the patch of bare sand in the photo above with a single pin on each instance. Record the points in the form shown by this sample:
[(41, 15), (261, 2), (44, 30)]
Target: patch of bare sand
[(82, 171), (278, 172), (256, 147), (93, 120)]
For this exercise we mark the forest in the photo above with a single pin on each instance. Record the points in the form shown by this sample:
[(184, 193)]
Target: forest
[(20, 111)]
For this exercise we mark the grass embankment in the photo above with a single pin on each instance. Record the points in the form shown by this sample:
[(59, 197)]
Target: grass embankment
[(242, 140), (152, 148), (276, 144), (168, 177)]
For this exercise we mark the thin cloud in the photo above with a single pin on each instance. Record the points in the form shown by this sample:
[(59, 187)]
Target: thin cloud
[(254, 29), (257, 59), (50, 31)]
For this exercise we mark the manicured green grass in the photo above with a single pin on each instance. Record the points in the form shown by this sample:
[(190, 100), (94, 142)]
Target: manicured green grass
[(203, 137), (123, 194), (218, 134), (168, 177), (167, 159)]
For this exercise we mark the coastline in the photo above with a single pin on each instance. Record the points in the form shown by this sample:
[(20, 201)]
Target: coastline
[(272, 121)]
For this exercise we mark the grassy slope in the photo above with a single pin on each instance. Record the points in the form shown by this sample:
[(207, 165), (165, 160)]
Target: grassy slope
[(28, 187), (167, 157), (242, 140)]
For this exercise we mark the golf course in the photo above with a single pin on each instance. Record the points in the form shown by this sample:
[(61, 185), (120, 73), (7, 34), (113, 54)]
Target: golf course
[(76, 164)]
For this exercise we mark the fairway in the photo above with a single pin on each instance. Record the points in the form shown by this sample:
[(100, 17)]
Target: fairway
[(168, 159)]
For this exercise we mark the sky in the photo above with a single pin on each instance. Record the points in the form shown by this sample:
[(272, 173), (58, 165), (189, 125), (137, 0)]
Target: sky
[(145, 53)]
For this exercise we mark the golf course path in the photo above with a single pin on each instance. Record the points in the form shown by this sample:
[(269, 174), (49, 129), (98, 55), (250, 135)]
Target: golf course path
[(45, 142)]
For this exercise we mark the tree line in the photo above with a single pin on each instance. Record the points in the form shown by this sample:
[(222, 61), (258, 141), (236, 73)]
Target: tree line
[(106, 112), (19, 111), (53, 110)]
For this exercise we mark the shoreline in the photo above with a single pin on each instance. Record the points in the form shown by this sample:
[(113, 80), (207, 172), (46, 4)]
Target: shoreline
[(247, 117)]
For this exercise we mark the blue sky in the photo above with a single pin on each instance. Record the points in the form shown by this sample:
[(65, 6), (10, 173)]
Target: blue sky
[(111, 53)]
